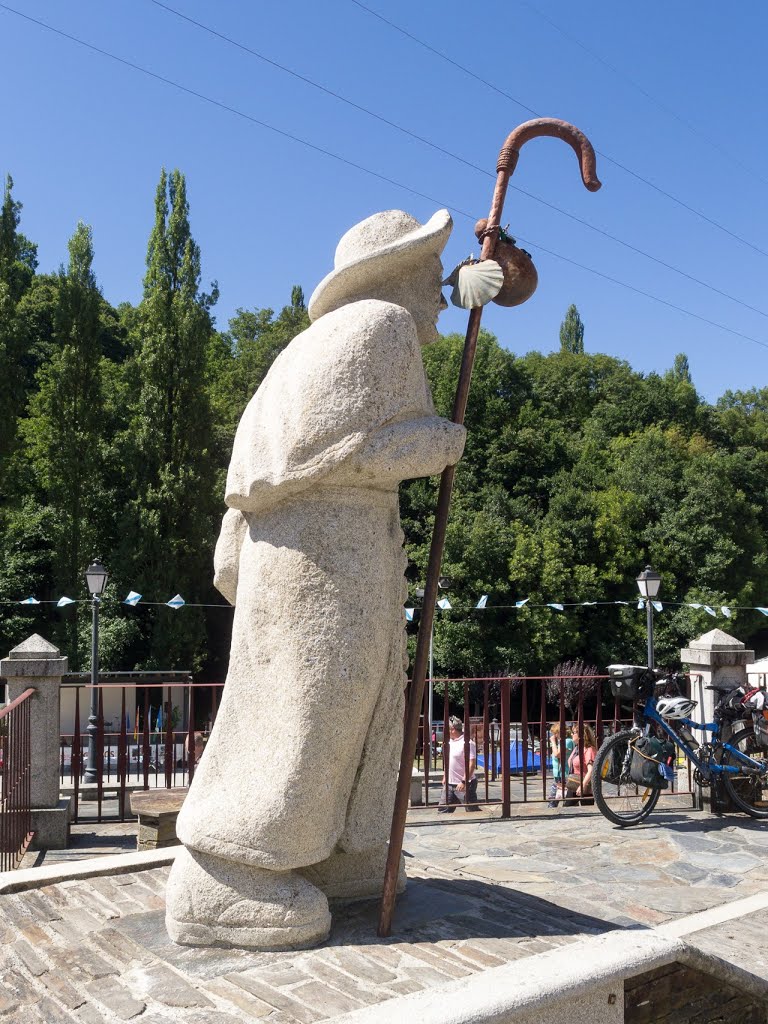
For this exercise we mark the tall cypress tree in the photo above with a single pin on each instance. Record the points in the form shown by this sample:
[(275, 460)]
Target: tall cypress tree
[(172, 426), (681, 369), (66, 423), (572, 332), (18, 262)]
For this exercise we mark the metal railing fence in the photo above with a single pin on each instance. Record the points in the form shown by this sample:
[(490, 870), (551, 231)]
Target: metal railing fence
[(514, 756), (154, 753), (15, 780)]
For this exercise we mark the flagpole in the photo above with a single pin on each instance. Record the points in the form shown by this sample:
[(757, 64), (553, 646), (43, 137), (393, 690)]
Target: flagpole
[(505, 166)]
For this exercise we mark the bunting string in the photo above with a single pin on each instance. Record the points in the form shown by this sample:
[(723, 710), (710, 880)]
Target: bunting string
[(726, 611), (484, 604)]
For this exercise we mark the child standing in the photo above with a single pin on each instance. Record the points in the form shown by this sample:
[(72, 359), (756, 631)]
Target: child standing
[(557, 771)]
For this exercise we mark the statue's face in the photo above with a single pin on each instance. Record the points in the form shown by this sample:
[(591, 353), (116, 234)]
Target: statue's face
[(427, 302)]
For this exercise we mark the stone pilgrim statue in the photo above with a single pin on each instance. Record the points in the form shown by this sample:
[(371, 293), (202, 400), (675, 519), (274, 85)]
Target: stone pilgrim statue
[(292, 800)]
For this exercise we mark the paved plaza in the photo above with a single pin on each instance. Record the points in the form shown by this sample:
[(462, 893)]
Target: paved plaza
[(482, 893)]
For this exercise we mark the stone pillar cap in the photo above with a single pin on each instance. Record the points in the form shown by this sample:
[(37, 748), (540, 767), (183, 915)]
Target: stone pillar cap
[(716, 640), (34, 647)]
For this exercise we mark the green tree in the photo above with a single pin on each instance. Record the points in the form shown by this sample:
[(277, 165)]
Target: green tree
[(170, 526), (18, 262), (681, 370), (572, 332), (64, 430)]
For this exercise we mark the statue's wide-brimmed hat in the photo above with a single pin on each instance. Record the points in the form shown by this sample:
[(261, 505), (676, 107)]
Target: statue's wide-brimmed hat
[(380, 246)]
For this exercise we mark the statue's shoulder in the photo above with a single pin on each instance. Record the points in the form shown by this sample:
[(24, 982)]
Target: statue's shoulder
[(364, 322)]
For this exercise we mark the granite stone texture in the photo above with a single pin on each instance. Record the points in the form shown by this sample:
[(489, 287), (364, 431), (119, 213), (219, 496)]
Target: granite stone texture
[(311, 553)]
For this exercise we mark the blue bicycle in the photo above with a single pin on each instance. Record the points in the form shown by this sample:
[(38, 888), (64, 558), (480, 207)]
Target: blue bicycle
[(634, 767)]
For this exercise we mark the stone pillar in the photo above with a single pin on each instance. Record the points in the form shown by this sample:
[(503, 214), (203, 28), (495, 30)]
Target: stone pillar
[(716, 657), (37, 663)]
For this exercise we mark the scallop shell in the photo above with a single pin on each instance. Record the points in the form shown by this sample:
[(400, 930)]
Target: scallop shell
[(475, 284)]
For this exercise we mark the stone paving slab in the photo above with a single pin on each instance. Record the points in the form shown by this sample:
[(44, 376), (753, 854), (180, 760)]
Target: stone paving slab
[(77, 952), (482, 894)]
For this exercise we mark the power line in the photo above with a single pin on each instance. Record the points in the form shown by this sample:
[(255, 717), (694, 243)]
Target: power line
[(233, 110), (465, 70), (648, 295), (454, 156), (710, 138), (366, 170)]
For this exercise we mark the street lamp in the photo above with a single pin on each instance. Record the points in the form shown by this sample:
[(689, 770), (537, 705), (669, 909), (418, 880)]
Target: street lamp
[(444, 583), (96, 578), (648, 583)]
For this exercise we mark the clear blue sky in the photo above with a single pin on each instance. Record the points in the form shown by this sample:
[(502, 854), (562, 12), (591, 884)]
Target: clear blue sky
[(85, 138)]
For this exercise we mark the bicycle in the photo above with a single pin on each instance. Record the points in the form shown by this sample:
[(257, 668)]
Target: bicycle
[(633, 767)]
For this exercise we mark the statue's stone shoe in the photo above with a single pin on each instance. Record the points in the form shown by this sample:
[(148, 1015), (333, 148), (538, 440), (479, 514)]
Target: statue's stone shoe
[(216, 902), (353, 876)]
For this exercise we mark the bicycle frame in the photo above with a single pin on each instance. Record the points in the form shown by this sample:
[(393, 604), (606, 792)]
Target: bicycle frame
[(707, 767)]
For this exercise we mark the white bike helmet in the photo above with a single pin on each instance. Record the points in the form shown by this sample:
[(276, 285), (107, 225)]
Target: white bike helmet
[(675, 707)]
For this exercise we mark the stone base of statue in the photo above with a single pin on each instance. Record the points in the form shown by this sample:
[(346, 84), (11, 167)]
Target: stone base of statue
[(216, 902)]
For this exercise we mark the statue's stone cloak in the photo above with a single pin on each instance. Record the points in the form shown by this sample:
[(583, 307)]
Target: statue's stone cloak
[(303, 756)]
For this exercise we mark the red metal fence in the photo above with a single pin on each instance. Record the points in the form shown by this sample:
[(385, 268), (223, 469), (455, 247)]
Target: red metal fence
[(511, 730), (508, 719), (15, 781), (156, 744)]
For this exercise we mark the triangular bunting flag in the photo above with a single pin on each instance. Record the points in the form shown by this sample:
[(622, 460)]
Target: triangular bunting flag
[(695, 605), (640, 604), (64, 601), (409, 614), (444, 603), (709, 611), (763, 610), (725, 611), (176, 602), (556, 605), (133, 598), (482, 602), (519, 604), (657, 605), (29, 600)]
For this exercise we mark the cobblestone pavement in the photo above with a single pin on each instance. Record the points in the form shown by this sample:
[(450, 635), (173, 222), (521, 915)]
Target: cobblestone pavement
[(677, 863), (481, 893)]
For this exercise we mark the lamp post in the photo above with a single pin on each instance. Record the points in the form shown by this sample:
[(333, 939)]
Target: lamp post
[(96, 578), (648, 583), (444, 583)]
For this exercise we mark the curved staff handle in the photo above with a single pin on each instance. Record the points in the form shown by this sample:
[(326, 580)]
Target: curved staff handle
[(505, 167)]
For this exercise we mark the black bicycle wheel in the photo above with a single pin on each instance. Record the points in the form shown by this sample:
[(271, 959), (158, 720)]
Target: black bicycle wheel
[(618, 798), (749, 789)]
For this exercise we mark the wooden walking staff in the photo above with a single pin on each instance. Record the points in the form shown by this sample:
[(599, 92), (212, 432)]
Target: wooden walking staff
[(505, 167)]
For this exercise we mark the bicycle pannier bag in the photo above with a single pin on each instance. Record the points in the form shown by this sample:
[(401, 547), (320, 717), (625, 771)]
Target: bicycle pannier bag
[(631, 682), (761, 728), (613, 767), (648, 757)]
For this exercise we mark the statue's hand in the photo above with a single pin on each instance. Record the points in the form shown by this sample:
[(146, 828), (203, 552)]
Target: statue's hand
[(409, 449)]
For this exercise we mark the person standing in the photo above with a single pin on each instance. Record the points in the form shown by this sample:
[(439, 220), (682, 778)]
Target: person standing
[(461, 786), (580, 765)]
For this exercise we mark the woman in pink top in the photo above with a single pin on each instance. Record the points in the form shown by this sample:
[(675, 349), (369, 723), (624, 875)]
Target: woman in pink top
[(581, 764)]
